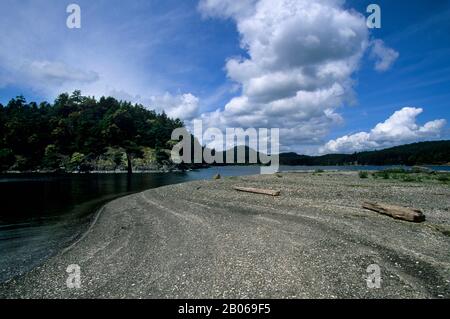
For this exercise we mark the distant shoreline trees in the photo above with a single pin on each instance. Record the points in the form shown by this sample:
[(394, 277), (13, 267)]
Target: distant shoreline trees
[(422, 153)]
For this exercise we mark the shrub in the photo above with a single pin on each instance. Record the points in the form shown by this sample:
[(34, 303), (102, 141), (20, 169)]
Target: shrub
[(20, 164), (162, 156), (443, 178), (396, 170), (7, 159), (382, 174), (52, 158), (363, 175), (408, 178), (76, 161)]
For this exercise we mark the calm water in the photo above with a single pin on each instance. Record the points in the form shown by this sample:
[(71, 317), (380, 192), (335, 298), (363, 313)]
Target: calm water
[(40, 214)]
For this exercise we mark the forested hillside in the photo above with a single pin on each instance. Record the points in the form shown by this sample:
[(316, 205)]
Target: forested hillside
[(78, 132), (413, 154)]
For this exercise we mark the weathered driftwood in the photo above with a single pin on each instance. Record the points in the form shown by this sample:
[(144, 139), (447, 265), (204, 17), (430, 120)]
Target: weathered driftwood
[(397, 212), (258, 191)]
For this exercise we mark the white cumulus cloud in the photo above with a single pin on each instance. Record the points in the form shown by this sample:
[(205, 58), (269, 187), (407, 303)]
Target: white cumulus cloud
[(182, 106), (58, 73), (399, 129), (384, 56), (298, 71)]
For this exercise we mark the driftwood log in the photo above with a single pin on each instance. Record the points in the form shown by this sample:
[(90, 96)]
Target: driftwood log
[(258, 191), (397, 212)]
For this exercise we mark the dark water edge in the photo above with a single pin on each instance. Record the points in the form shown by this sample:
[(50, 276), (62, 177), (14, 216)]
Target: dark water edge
[(43, 213)]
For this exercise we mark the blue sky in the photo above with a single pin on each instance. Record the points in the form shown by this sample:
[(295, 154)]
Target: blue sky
[(234, 64), (420, 76)]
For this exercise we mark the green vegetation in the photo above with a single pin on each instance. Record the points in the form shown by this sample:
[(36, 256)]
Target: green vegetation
[(409, 155), (413, 175), (445, 178), (363, 175), (80, 133)]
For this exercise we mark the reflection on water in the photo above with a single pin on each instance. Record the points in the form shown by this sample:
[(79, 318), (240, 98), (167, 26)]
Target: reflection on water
[(40, 214)]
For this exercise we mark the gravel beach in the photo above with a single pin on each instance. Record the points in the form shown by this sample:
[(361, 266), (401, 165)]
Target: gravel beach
[(205, 240)]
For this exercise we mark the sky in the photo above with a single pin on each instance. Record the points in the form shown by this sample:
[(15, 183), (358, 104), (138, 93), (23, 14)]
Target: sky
[(309, 67)]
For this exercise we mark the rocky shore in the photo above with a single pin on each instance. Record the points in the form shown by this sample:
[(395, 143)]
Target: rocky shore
[(205, 240)]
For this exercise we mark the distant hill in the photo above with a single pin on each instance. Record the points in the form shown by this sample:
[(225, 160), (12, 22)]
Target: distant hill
[(437, 153)]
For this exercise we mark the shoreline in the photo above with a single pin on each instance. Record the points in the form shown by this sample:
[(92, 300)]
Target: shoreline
[(91, 172), (82, 229), (182, 212), (157, 171)]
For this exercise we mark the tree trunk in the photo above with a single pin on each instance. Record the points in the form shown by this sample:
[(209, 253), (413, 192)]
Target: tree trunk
[(397, 212), (258, 191), (130, 168)]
